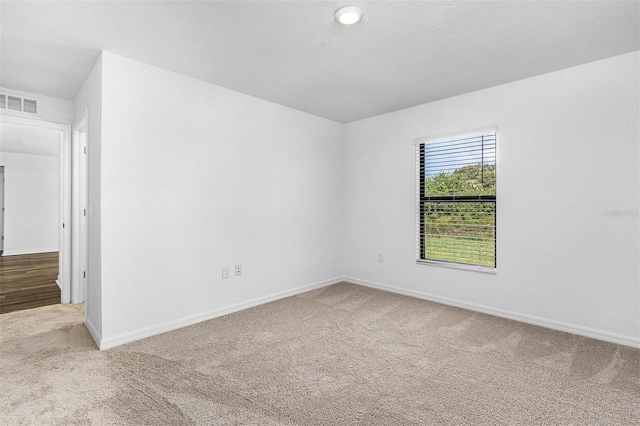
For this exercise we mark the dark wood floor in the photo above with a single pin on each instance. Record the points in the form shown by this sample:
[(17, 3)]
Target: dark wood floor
[(28, 281)]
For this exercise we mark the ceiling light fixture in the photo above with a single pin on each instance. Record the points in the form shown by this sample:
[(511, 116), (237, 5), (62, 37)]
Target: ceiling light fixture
[(348, 15)]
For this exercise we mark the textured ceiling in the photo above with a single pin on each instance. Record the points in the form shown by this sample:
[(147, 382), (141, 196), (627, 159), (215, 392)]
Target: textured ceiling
[(20, 139), (402, 54)]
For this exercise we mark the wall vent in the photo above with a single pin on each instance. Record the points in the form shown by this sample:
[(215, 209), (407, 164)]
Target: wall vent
[(16, 103)]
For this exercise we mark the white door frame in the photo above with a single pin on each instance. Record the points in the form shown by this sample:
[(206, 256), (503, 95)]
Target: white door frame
[(79, 224), (2, 207), (64, 205)]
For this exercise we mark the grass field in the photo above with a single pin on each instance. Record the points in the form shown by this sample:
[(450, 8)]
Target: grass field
[(456, 249)]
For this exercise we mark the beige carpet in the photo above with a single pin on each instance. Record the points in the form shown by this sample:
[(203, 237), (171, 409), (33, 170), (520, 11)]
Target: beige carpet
[(340, 355)]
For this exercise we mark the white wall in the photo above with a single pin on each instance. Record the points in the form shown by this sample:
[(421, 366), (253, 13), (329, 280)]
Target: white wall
[(567, 153), (194, 177), (90, 98), (31, 203), (49, 109)]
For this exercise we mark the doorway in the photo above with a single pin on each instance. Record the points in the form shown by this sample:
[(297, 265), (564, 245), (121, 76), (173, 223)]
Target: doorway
[(62, 144)]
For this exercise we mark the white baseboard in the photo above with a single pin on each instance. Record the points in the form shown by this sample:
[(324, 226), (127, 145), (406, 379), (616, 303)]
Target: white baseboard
[(92, 330), (529, 319), (121, 339), (30, 251)]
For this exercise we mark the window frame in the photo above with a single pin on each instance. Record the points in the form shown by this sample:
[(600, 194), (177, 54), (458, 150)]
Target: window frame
[(420, 199)]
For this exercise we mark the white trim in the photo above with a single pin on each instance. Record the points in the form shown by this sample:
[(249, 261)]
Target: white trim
[(194, 319), (34, 122), (92, 330), (620, 339), (30, 251), (78, 204), (462, 266), (2, 188), (447, 136)]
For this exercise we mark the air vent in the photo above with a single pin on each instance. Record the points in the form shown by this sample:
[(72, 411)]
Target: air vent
[(16, 103), (29, 105)]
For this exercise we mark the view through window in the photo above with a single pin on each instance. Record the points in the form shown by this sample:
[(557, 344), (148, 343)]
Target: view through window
[(457, 200)]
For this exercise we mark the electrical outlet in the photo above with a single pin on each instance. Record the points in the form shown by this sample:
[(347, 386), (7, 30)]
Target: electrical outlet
[(380, 257), (226, 272), (238, 269)]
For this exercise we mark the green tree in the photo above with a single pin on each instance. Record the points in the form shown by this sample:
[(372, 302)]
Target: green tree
[(467, 225), (473, 179)]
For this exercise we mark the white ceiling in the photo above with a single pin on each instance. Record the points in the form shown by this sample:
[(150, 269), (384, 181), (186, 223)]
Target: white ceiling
[(20, 139), (402, 54)]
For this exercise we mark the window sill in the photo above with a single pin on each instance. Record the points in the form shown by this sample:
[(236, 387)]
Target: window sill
[(464, 267)]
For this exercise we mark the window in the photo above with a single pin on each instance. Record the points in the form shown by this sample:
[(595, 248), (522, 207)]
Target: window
[(456, 200)]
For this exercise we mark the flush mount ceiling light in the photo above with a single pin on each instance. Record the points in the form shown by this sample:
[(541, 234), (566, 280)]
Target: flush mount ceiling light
[(348, 15)]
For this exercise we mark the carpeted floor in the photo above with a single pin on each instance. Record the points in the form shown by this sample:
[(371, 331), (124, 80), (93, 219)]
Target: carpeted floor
[(344, 354)]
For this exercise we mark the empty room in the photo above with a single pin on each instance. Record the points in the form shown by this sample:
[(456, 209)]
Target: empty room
[(327, 212)]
